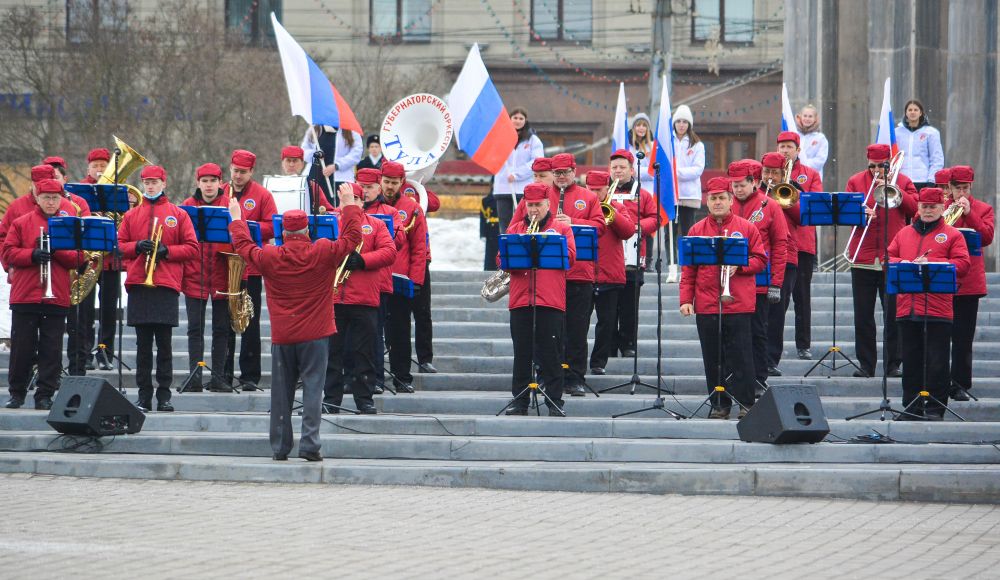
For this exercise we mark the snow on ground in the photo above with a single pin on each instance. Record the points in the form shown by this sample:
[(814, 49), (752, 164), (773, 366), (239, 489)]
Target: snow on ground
[(455, 244)]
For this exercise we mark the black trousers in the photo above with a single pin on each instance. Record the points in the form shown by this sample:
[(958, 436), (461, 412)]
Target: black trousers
[(737, 360), (758, 328), (686, 217), (196, 310), (935, 356), (866, 285), (628, 309), (379, 346), (579, 304), (966, 311), (397, 338), (250, 341), (80, 335), (606, 304), (145, 335), (423, 326), (110, 289), (35, 336), (350, 365), (548, 342), (776, 318), (505, 210), (802, 295)]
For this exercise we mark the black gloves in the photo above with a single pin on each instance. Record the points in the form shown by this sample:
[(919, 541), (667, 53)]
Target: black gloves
[(416, 290), (773, 294), (144, 247), (41, 256), (355, 262), (161, 252)]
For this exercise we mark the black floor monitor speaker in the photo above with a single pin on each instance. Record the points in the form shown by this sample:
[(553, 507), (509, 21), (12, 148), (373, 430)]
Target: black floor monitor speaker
[(785, 414), (91, 406)]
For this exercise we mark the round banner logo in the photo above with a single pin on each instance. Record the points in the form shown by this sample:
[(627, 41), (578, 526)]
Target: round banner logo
[(170, 222), (249, 204), (580, 204), (402, 214), (801, 178), (416, 131), (366, 229), (941, 238), (736, 235), (63, 213)]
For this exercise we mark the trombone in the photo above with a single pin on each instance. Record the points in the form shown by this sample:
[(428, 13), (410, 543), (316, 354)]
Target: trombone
[(151, 258), (784, 193), (887, 196)]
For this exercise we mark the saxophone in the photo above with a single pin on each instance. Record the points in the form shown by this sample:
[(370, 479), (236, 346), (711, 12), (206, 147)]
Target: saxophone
[(498, 285), (240, 304), (82, 284)]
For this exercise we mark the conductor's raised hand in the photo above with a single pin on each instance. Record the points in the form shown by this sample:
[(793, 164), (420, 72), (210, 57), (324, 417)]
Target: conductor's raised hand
[(234, 209), (346, 194)]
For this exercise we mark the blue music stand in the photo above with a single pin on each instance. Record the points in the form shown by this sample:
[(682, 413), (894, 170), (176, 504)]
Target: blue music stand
[(533, 252), (103, 198), (402, 286), (927, 278), (714, 251), (255, 233), (973, 240), (585, 238), (388, 222), (320, 226), (211, 223), (91, 234)]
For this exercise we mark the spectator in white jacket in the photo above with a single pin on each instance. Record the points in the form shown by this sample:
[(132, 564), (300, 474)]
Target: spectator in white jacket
[(640, 138), (516, 171), (689, 153), (815, 147), (921, 144), (340, 163)]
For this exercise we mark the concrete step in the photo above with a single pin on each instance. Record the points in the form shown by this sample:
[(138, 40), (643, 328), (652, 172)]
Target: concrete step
[(440, 276)]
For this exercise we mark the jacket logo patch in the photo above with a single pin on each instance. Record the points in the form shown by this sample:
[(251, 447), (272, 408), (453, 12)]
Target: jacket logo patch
[(170, 221), (551, 231), (366, 229), (410, 191), (690, 152), (63, 213), (815, 142), (249, 204), (736, 235), (941, 238), (402, 214), (756, 217), (801, 178), (923, 137), (580, 204)]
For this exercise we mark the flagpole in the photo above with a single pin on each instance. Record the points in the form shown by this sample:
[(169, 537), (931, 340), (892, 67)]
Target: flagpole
[(322, 164)]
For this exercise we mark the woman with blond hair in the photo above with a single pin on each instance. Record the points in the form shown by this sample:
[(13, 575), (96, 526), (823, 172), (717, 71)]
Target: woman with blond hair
[(815, 147), (640, 139)]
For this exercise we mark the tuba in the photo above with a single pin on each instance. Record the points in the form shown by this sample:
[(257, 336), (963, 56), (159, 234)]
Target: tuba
[(784, 193), (240, 304), (128, 161), (498, 285)]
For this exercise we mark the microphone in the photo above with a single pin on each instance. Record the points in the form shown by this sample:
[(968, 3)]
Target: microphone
[(640, 155)]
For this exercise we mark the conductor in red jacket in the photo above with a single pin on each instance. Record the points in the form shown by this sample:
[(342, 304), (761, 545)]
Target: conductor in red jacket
[(701, 292), (541, 301), (153, 310), (928, 239), (299, 277), (977, 216), (37, 322), (610, 271)]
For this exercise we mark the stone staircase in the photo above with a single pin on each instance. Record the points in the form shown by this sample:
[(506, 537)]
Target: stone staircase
[(447, 434)]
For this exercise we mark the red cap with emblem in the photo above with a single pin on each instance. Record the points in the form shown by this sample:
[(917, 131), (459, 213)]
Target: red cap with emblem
[(624, 154), (541, 164), (153, 172), (739, 171), (563, 161), (773, 160), (48, 186), (40, 172), (535, 192), (393, 169), (942, 176), (598, 178), (53, 161), (99, 154), (718, 185), (878, 152), (788, 136), (243, 159), (756, 169), (292, 152), (294, 220), (963, 174), (368, 175), (931, 195), (209, 170)]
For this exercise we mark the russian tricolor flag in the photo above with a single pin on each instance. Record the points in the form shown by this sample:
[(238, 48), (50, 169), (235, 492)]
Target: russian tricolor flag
[(787, 118), (482, 126), (619, 132), (885, 132), (312, 96), (663, 153)]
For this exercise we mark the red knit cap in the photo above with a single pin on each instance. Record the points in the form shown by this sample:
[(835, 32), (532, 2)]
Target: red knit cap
[(293, 220), (739, 171), (878, 152), (942, 176), (292, 152), (99, 154), (598, 178), (153, 172), (963, 174), (718, 185), (393, 169), (773, 160), (756, 169), (48, 186), (541, 164), (788, 136), (623, 154), (40, 172), (243, 159), (535, 192), (209, 170), (53, 160), (931, 195), (368, 175), (563, 161)]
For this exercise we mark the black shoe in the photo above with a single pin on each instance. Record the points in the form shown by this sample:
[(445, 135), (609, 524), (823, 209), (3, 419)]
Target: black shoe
[(280, 457), (14, 403), (861, 374), (90, 365), (804, 354), (628, 353), (144, 405), (311, 455), (330, 408), (958, 394), (426, 368), (896, 372), (43, 403), (403, 387), (248, 386), (516, 410), (164, 407), (577, 391), (103, 360), (719, 413), (219, 387), (379, 389), (911, 415), (597, 370), (743, 412), (556, 411), (773, 372), (367, 409)]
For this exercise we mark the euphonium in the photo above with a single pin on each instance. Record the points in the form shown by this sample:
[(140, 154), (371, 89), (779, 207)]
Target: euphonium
[(83, 284), (240, 304), (45, 273), (785, 193), (498, 284), (343, 273), (953, 213), (151, 258)]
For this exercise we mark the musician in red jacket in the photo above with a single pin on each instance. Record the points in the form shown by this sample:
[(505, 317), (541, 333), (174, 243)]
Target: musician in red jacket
[(753, 205), (541, 301), (423, 325), (37, 322), (928, 239), (977, 216), (356, 299), (299, 276), (258, 205), (293, 163), (153, 310), (621, 166), (610, 271), (867, 258), (28, 203), (700, 294), (541, 171), (411, 262), (204, 278)]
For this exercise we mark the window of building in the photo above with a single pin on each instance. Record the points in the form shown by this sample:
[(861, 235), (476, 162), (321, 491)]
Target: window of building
[(87, 18), (249, 21), (568, 20), (398, 21), (733, 19), (721, 149)]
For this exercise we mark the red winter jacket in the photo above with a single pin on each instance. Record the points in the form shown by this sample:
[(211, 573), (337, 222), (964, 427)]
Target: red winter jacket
[(873, 246), (433, 204), (766, 214), (981, 219), (257, 204), (22, 206), (208, 272), (178, 237), (946, 244), (702, 285), (809, 179), (298, 277), (398, 237), (649, 219), (21, 241), (583, 209), (411, 259), (364, 287), (551, 283), (610, 252)]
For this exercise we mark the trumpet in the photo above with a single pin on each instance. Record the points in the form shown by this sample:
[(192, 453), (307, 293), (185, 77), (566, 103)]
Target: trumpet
[(784, 193), (953, 213), (887, 196), (151, 258), (45, 273), (343, 273), (726, 297), (606, 208)]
